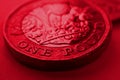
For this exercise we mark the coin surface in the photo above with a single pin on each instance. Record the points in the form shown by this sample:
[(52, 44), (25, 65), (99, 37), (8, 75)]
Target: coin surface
[(57, 34), (111, 7)]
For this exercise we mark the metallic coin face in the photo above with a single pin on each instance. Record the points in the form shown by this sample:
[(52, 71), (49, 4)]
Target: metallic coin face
[(111, 7), (45, 33)]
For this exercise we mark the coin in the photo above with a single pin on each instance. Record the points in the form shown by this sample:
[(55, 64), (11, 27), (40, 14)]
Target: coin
[(56, 35), (111, 7)]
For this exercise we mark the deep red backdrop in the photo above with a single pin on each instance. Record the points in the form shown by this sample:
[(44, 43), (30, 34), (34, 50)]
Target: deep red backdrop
[(107, 67)]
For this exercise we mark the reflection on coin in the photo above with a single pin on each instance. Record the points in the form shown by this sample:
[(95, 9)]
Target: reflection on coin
[(111, 7), (57, 34)]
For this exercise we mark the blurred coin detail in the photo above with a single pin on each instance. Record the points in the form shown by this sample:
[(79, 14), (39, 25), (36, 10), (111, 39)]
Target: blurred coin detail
[(112, 7)]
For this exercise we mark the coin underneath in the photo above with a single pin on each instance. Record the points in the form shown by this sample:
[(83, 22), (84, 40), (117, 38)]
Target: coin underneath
[(111, 7), (57, 34)]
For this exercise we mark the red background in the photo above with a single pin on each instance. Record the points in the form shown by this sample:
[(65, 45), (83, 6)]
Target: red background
[(107, 67)]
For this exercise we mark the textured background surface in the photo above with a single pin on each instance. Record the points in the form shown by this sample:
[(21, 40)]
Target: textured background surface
[(107, 67)]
